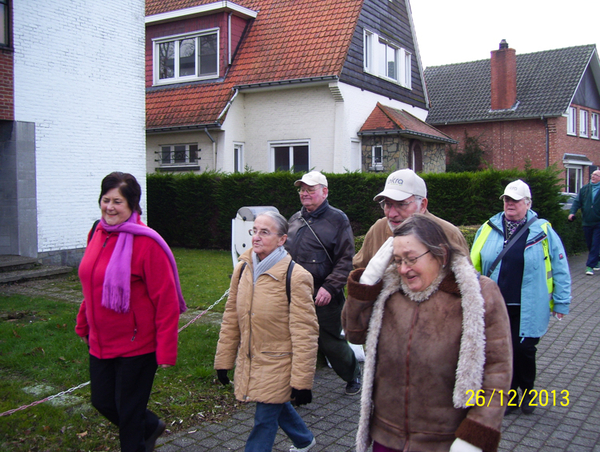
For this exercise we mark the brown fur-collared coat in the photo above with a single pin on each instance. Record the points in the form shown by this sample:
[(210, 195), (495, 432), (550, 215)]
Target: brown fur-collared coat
[(424, 357)]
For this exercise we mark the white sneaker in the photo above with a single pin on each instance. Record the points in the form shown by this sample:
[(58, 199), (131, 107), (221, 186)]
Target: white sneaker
[(304, 449)]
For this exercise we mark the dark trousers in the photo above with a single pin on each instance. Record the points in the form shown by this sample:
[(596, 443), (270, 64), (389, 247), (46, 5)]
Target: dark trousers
[(524, 351), (331, 343), (592, 240), (120, 391)]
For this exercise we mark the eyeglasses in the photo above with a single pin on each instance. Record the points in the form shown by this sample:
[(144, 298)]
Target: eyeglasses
[(409, 261), (261, 233), (309, 190), (387, 205)]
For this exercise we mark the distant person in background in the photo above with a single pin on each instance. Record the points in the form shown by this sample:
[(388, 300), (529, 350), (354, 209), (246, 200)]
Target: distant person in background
[(130, 312), (270, 338), (588, 200), (524, 255), (404, 194)]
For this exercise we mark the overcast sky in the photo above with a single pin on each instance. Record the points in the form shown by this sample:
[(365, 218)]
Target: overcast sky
[(468, 30)]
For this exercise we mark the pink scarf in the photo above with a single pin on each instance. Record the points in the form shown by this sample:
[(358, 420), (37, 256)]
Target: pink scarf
[(117, 280)]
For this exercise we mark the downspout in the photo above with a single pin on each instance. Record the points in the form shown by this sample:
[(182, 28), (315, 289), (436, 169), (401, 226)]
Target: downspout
[(547, 142), (229, 39), (214, 146)]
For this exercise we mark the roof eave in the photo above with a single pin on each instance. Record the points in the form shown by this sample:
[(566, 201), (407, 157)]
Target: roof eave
[(183, 128), (412, 133), (186, 13), (286, 83)]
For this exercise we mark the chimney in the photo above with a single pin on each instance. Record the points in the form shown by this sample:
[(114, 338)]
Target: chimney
[(503, 77)]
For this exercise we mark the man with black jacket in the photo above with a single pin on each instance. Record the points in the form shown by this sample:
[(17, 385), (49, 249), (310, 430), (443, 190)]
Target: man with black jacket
[(320, 239)]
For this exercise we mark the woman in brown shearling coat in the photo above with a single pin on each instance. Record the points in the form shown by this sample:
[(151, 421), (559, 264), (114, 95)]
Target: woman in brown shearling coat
[(436, 333), (272, 339)]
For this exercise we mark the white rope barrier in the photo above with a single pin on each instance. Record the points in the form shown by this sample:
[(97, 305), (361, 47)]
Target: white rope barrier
[(46, 399)]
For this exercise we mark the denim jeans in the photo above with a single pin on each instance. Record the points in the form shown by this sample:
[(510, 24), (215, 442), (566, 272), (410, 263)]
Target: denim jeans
[(267, 418), (592, 240)]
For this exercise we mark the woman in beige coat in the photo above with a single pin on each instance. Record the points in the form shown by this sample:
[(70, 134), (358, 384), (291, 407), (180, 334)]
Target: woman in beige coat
[(438, 347), (270, 337)]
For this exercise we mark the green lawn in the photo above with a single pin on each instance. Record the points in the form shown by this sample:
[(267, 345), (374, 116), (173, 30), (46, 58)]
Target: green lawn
[(40, 355)]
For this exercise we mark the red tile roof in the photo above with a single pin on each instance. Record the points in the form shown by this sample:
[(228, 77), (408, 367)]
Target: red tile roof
[(288, 40), (387, 119)]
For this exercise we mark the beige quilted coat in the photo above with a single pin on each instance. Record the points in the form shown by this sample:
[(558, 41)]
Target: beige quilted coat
[(273, 344)]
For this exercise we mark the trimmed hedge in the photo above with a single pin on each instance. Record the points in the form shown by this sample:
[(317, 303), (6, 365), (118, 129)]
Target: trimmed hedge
[(195, 210)]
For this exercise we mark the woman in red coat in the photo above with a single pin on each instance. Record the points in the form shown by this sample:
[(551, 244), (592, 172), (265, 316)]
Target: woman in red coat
[(130, 312)]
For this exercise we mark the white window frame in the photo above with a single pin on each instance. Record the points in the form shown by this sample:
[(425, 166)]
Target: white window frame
[(583, 123), (377, 160), (238, 157), (595, 126), (290, 144), (375, 59), (578, 169), (172, 162), (572, 121), (176, 38)]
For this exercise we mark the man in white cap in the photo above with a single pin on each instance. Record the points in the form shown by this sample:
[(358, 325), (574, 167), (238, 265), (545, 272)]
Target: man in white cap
[(320, 239), (404, 194)]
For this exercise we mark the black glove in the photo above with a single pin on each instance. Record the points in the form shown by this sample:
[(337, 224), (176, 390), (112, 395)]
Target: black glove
[(222, 376), (301, 396)]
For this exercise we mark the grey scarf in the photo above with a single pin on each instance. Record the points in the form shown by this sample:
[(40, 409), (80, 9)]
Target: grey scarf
[(263, 266)]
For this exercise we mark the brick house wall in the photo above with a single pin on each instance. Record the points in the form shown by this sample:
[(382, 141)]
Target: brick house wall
[(510, 144), (7, 101)]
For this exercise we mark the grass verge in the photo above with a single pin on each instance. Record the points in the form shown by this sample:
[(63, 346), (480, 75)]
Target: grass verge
[(40, 355)]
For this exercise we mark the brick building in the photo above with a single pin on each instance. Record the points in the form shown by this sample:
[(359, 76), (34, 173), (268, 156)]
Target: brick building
[(542, 108)]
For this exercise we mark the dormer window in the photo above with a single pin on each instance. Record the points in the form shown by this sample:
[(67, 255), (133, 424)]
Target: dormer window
[(386, 60), (186, 57)]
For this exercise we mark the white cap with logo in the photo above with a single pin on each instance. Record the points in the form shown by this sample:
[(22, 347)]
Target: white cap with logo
[(403, 184), (517, 190), (312, 178)]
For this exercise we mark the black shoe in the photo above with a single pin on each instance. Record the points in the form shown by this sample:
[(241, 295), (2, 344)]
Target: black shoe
[(526, 408), (510, 409), (353, 386), (151, 442)]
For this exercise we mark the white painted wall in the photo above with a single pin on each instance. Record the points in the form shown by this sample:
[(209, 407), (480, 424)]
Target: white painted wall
[(303, 113), (79, 76)]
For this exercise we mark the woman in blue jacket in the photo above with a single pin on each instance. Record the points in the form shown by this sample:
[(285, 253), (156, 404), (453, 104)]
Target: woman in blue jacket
[(526, 258)]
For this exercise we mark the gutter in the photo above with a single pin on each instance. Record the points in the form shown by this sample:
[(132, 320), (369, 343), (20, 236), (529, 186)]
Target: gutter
[(229, 102), (214, 146)]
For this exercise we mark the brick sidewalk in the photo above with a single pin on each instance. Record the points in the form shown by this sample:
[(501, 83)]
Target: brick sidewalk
[(568, 358)]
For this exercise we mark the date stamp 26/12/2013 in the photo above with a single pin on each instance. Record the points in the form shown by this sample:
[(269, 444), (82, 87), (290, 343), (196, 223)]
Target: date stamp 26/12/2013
[(511, 398)]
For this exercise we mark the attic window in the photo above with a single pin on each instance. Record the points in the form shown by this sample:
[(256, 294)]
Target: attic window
[(386, 60), (572, 121), (583, 123), (186, 57)]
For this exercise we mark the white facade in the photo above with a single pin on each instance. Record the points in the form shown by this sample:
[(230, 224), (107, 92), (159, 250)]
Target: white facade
[(79, 77), (326, 116)]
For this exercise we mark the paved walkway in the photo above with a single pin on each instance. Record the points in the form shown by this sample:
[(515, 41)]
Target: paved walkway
[(568, 359)]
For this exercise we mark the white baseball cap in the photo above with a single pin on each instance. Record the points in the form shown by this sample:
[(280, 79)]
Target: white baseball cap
[(517, 190), (403, 184), (312, 178)]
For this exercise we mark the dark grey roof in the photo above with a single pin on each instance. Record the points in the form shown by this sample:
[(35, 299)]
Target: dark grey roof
[(546, 83)]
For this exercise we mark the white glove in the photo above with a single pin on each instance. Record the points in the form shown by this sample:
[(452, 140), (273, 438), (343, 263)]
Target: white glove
[(460, 445), (378, 263)]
